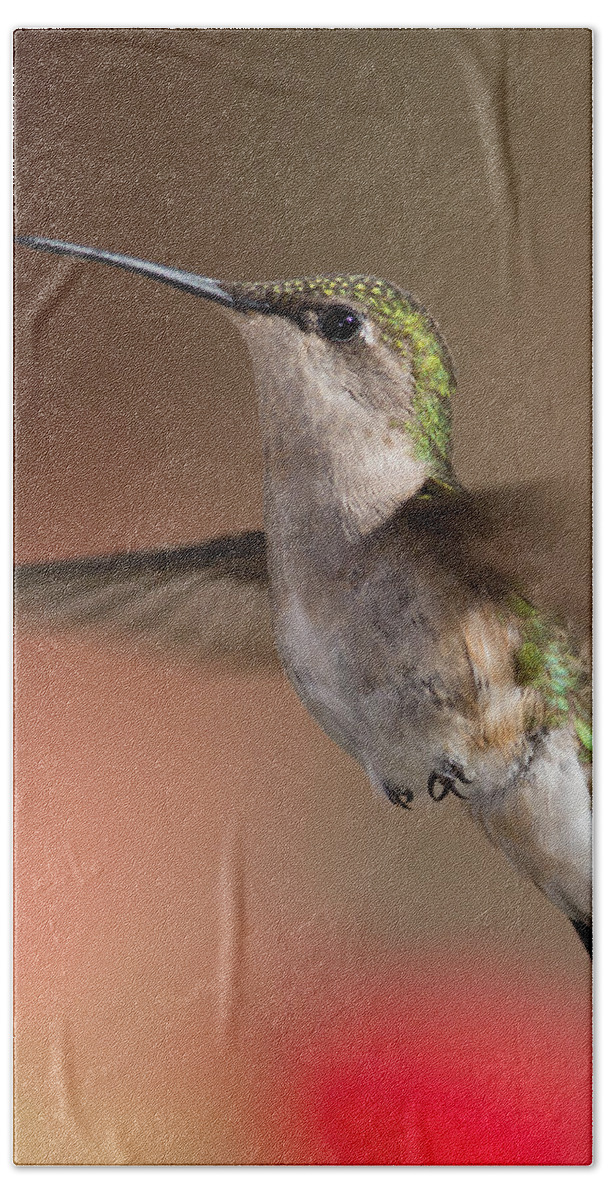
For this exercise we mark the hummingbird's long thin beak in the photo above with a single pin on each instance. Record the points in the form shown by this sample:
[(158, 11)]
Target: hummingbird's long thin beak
[(186, 281)]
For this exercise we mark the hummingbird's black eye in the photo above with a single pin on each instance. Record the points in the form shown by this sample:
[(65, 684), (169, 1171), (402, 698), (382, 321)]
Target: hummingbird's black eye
[(338, 323)]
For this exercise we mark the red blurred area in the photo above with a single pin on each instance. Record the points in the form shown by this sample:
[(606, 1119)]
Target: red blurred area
[(475, 1071)]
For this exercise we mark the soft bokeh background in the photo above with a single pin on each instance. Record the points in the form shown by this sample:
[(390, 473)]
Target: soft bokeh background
[(227, 948)]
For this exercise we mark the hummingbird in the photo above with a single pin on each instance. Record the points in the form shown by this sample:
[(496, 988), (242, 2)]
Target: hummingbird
[(382, 582)]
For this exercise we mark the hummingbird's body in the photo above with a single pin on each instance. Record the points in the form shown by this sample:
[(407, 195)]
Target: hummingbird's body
[(431, 671)]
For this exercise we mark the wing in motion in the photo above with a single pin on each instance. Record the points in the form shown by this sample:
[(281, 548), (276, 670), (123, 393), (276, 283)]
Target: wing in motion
[(518, 536), (210, 601)]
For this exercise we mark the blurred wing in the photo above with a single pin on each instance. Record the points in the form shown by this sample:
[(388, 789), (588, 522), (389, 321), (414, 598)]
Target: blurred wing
[(208, 602), (525, 537)]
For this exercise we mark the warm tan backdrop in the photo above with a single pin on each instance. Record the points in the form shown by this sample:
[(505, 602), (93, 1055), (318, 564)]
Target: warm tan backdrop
[(200, 873)]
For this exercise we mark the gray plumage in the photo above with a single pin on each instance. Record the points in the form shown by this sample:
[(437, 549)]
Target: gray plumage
[(395, 597)]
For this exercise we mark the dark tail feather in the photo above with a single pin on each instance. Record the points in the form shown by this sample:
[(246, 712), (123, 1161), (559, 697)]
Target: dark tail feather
[(585, 934)]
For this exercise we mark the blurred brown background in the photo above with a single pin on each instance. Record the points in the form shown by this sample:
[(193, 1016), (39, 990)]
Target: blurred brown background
[(455, 163)]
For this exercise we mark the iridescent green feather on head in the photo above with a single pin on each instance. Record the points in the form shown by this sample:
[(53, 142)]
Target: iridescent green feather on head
[(407, 329)]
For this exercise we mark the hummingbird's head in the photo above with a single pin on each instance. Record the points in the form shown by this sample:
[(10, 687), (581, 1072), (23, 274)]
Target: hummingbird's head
[(364, 338)]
